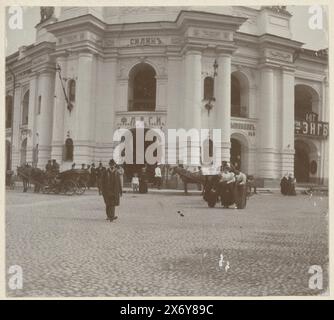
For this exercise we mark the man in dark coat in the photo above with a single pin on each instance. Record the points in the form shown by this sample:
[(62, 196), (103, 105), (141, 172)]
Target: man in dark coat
[(92, 181), (99, 174), (111, 189)]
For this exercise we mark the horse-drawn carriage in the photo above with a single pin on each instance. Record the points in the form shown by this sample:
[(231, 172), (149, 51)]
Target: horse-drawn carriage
[(67, 182), (215, 190)]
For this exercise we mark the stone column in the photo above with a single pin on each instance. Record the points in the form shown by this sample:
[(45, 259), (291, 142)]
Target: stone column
[(106, 103), (85, 108), (223, 103), (44, 125), (59, 107), (174, 106), (31, 117), (288, 124), (266, 163), (16, 147), (192, 98)]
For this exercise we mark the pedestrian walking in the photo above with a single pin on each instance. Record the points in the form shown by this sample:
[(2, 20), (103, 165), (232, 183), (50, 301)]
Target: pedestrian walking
[(111, 189), (158, 176)]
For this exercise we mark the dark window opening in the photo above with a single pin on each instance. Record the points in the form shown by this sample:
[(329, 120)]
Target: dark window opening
[(71, 90), (25, 108), (9, 111), (235, 97), (208, 88), (303, 102), (68, 150), (142, 88), (39, 105)]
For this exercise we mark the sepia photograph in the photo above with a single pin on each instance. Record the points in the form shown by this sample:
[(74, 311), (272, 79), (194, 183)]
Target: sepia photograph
[(166, 151)]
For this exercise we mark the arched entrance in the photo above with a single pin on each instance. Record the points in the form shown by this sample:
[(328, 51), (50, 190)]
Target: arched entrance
[(306, 154), (235, 159), (239, 152), (142, 88), (302, 161), (23, 152), (305, 166), (138, 153)]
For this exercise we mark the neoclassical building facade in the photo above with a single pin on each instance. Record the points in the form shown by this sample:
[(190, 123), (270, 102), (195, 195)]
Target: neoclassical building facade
[(93, 70)]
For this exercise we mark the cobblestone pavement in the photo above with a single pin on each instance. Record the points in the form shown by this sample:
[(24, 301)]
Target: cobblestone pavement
[(67, 248)]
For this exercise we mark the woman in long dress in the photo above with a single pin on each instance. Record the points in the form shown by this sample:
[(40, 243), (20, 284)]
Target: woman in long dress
[(227, 182)]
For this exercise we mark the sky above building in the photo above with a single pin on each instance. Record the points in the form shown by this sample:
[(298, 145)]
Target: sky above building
[(313, 39)]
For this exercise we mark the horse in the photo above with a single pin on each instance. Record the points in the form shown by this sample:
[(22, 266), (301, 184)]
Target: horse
[(32, 175), (188, 177)]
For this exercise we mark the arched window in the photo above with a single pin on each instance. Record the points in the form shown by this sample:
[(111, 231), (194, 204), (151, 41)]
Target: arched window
[(25, 108), (71, 91), (239, 95), (9, 111), (235, 97), (208, 88), (306, 101), (68, 150), (142, 88)]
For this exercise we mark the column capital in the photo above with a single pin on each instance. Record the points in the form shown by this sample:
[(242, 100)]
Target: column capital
[(266, 68), (287, 70), (33, 75), (226, 50), (192, 49), (86, 53), (223, 54)]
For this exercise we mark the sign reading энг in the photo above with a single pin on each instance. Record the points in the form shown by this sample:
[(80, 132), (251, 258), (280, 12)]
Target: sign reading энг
[(145, 41), (311, 126)]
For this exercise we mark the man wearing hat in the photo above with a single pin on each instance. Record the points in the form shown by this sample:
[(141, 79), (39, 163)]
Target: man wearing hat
[(111, 189)]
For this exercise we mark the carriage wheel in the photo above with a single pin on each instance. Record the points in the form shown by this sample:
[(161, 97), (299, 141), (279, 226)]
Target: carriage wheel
[(80, 189), (46, 189), (211, 204), (69, 187)]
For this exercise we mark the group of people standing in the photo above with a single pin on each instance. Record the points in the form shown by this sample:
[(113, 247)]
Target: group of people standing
[(96, 173), (288, 183), (233, 187), (52, 167)]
